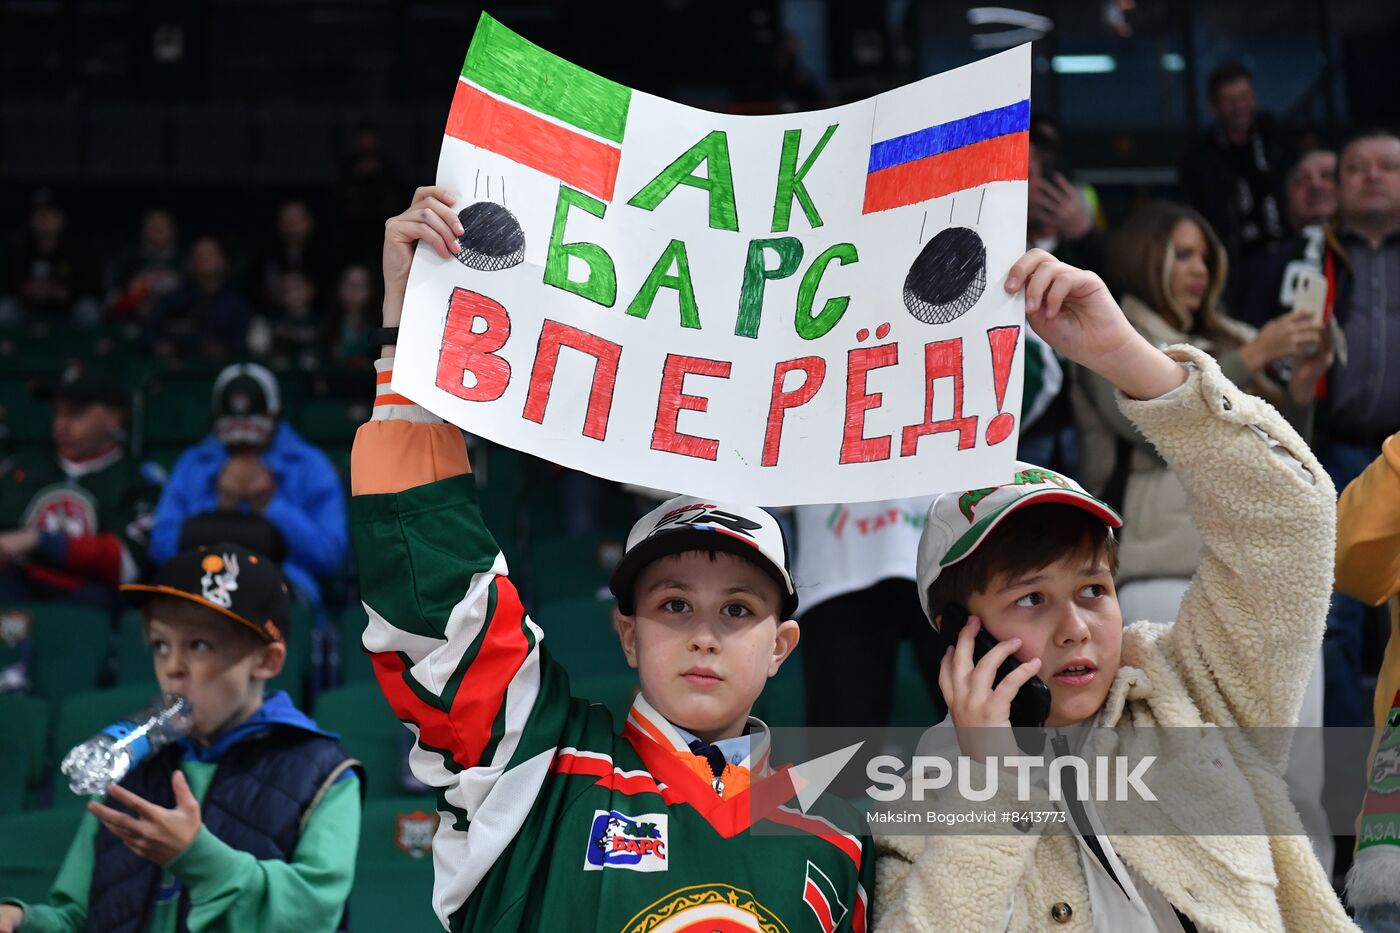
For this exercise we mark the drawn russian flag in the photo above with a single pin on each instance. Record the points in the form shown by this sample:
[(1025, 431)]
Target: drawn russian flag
[(535, 108), (950, 157)]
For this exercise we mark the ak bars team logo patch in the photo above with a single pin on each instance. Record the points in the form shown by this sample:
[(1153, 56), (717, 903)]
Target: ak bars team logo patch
[(637, 843), (413, 832)]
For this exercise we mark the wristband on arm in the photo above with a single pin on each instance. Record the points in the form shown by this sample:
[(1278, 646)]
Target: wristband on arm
[(381, 337)]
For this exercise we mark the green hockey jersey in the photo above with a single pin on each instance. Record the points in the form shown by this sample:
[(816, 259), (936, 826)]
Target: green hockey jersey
[(551, 817), (104, 507)]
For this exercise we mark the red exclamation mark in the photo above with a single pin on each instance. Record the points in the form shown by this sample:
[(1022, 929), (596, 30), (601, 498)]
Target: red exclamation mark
[(1003, 341)]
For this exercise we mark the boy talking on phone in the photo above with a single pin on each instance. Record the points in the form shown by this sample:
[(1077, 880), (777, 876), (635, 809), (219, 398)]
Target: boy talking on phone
[(1032, 563)]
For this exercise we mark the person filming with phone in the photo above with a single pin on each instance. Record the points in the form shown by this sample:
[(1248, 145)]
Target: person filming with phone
[(1353, 256)]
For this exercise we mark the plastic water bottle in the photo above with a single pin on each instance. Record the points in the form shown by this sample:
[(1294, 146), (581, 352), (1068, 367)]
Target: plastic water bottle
[(111, 753)]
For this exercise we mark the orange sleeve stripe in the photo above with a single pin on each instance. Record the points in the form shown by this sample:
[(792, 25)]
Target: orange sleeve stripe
[(391, 456), (390, 398), (384, 378)]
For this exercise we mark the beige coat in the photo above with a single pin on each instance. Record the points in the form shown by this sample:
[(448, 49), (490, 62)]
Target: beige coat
[(1238, 655), (1159, 539)]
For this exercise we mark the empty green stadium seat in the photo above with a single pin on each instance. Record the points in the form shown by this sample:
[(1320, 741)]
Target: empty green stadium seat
[(26, 722), (14, 772), (394, 867), (579, 634), (32, 846), (333, 421), (297, 667), (567, 566), (68, 647), (370, 731), (501, 480), (782, 701), (913, 705), (134, 663), (176, 409), (615, 691), (25, 420), (340, 459), (164, 455)]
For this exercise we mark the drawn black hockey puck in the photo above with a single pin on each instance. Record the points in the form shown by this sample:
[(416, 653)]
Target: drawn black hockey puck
[(947, 277), (492, 240)]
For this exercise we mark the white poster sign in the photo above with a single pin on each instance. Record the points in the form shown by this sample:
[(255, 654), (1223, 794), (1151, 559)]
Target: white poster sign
[(775, 309)]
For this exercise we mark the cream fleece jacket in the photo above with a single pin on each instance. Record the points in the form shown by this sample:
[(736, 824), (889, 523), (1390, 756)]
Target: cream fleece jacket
[(1238, 655)]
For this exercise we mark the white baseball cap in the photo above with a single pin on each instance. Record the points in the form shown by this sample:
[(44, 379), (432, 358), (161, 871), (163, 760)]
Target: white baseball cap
[(958, 522), (687, 523)]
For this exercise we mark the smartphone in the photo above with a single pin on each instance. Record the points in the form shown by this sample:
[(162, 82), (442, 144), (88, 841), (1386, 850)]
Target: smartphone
[(1031, 705), (1310, 295), (1309, 292)]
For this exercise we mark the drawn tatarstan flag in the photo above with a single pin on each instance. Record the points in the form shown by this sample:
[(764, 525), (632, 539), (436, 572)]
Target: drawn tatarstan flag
[(820, 895), (949, 157), (535, 108)]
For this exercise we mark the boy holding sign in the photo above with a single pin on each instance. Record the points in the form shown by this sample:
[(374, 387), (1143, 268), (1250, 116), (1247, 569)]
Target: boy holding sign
[(551, 820), (1033, 561)]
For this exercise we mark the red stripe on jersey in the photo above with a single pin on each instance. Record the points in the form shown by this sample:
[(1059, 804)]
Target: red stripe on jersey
[(465, 729), (390, 398), (608, 776), (858, 912), (384, 378), (819, 906)]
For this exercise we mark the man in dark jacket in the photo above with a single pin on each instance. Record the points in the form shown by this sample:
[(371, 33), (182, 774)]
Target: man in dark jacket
[(1234, 174)]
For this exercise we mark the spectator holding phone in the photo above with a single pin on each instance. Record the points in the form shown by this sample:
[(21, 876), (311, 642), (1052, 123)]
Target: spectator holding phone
[(1356, 255)]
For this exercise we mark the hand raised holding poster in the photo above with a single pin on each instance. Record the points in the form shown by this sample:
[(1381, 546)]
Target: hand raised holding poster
[(786, 309)]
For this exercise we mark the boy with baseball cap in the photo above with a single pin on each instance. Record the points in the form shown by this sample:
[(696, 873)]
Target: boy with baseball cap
[(551, 819), (1032, 560), (250, 822)]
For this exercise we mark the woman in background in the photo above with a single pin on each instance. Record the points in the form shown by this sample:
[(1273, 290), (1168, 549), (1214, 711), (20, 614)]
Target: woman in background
[(1169, 269)]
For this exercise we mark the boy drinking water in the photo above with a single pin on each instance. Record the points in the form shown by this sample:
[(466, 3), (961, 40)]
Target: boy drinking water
[(252, 821), (551, 819), (1032, 562)]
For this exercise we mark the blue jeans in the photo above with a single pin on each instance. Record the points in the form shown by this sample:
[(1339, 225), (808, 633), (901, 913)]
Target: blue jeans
[(1344, 702)]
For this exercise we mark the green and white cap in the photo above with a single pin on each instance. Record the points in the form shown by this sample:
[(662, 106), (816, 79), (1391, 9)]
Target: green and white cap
[(958, 522)]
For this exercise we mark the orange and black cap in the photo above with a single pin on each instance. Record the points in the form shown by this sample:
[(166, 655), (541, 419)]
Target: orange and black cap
[(229, 579)]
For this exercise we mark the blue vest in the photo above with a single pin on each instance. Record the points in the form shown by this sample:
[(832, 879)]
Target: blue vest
[(262, 789)]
